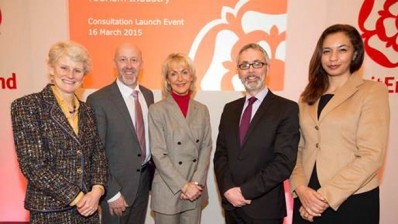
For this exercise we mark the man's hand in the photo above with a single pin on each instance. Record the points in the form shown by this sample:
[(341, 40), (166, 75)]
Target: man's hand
[(235, 197), (117, 207)]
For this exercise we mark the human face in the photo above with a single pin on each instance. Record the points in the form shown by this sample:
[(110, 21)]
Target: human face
[(337, 54), (67, 75), (252, 78), (128, 63), (180, 79)]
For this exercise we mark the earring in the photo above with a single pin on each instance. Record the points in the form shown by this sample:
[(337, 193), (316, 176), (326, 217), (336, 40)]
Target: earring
[(355, 56)]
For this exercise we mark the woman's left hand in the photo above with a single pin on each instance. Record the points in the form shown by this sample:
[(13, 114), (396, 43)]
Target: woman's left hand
[(88, 205), (191, 191), (306, 215)]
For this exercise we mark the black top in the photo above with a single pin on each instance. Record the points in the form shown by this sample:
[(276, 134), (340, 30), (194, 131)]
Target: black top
[(323, 101)]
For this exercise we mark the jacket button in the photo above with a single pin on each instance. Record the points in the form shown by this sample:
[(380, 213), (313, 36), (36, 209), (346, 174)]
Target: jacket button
[(180, 163), (138, 170), (178, 143), (79, 170), (139, 154), (197, 140), (194, 160)]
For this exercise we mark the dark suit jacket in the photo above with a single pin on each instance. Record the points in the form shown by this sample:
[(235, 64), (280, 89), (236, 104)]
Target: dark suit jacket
[(57, 163), (121, 143), (265, 160)]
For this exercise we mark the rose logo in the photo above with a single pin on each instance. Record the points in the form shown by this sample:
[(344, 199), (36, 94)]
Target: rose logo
[(216, 45), (379, 23)]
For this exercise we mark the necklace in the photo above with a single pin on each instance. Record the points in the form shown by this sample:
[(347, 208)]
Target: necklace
[(73, 111)]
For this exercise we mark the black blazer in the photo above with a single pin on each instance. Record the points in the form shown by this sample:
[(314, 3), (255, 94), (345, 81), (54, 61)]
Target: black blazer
[(266, 158), (57, 163), (121, 143)]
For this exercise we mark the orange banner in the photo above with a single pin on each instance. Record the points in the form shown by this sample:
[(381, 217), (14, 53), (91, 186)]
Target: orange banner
[(210, 32)]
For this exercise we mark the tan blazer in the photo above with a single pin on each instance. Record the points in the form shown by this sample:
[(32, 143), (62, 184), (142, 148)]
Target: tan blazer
[(181, 150), (348, 141)]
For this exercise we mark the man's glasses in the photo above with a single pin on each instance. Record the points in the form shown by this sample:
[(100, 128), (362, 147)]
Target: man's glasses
[(256, 64)]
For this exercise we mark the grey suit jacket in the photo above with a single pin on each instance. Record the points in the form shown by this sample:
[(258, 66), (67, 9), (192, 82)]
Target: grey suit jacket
[(181, 150), (121, 143)]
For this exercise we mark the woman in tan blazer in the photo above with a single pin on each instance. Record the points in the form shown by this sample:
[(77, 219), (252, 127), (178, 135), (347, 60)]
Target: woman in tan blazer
[(180, 140), (344, 123)]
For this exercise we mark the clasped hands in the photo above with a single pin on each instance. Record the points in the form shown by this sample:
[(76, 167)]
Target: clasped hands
[(191, 191), (235, 197), (88, 204), (313, 203)]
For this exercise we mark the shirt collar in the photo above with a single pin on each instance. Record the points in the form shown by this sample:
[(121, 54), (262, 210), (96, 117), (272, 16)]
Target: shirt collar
[(126, 90), (260, 95)]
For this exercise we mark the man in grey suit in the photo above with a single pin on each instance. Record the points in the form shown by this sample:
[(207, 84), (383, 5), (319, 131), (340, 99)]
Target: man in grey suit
[(127, 192)]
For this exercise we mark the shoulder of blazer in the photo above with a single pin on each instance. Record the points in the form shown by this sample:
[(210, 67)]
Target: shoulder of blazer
[(236, 104), (34, 101), (281, 100), (145, 90), (373, 85), (106, 91)]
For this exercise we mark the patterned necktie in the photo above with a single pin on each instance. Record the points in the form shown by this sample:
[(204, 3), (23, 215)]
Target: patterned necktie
[(245, 122), (139, 124)]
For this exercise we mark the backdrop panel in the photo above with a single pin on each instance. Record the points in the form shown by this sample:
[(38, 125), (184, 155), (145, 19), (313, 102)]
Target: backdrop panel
[(210, 32)]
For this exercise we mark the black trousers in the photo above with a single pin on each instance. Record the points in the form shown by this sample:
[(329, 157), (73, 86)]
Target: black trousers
[(238, 216)]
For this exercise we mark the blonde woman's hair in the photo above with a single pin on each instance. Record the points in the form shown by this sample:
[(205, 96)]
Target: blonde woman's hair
[(75, 51)]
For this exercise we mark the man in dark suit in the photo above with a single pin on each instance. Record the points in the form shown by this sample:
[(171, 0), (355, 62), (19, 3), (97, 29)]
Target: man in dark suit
[(251, 166), (127, 192)]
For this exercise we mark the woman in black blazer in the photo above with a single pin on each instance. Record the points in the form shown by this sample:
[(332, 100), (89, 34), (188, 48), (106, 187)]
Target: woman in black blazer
[(58, 148)]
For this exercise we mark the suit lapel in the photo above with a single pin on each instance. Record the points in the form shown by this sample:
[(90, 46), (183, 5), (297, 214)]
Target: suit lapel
[(56, 113), (58, 116), (116, 98), (146, 95), (83, 126), (259, 114), (235, 119), (313, 111), (191, 115), (346, 91), (183, 122)]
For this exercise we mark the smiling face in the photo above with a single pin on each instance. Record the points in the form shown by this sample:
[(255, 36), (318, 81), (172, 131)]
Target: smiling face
[(179, 78), (253, 76), (337, 54), (128, 62), (67, 75)]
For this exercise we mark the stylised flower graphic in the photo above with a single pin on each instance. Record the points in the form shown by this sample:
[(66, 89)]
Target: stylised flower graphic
[(379, 24), (219, 42)]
